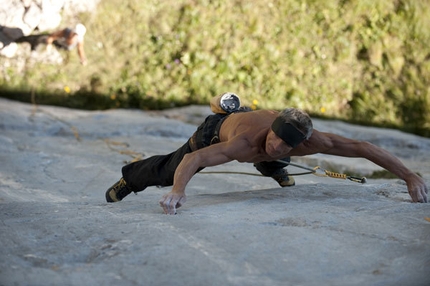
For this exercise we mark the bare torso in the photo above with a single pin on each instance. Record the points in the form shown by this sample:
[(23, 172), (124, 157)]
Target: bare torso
[(253, 127), (250, 128)]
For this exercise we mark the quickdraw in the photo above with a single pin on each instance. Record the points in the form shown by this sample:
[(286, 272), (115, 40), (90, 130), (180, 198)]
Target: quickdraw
[(320, 172), (317, 171), (335, 175)]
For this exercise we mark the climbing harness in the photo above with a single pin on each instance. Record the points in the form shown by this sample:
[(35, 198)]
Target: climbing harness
[(317, 171)]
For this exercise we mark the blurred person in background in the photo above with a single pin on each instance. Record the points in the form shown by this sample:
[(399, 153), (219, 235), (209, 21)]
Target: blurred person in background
[(67, 39)]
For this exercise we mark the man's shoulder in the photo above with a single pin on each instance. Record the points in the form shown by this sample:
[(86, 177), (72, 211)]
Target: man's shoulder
[(249, 122), (258, 113), (262, 116)]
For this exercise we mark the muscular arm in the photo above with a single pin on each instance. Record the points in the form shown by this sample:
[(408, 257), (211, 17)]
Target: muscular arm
[(213, 155), (332, 144)]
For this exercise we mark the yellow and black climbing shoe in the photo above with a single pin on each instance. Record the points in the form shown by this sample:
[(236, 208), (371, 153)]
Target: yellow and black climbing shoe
[(117, 192)]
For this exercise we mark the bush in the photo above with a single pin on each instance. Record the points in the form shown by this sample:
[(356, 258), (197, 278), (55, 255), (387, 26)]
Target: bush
[(361, 61)]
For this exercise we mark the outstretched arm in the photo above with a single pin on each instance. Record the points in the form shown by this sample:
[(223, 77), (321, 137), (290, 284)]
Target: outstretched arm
[(213, 155), (332, 144)]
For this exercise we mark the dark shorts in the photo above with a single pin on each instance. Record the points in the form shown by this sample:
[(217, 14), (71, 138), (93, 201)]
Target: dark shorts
[(208, 132)]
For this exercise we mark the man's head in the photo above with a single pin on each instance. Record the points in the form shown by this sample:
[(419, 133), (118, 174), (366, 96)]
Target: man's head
[(293, 126)]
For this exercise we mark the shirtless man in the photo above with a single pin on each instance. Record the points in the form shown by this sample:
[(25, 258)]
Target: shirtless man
[(259, 137)]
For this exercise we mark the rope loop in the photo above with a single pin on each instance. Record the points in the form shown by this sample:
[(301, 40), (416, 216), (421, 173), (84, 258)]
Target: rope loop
[(317, 171)]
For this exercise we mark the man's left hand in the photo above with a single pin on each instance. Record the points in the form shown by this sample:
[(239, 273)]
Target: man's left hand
[(417, 189)]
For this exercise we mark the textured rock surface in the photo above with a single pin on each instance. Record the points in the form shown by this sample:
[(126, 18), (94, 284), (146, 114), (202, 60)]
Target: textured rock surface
[(57, 229)]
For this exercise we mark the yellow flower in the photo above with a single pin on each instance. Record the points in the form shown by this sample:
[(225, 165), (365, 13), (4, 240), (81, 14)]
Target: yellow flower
[(67, 89), (322, 109), (254, 104)]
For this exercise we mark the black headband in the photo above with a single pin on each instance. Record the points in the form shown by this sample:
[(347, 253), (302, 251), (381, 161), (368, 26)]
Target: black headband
[(287, 132)]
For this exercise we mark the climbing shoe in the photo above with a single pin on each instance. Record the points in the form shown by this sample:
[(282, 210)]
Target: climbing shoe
[(117, 192), (281, 176)]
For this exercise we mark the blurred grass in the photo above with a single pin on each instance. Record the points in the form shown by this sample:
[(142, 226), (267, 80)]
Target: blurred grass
[(365, 61)]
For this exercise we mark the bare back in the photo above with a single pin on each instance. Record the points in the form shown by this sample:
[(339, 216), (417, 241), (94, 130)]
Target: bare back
[(245, 134), (253, 128)]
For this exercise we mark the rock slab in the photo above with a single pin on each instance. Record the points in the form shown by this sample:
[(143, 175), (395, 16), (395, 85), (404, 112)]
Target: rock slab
[(57, 229)]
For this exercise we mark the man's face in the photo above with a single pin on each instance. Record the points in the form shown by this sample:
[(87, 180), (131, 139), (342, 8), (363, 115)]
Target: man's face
[(275, 146)]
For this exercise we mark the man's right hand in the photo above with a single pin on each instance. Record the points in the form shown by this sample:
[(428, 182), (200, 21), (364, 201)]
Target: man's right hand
[(171, 201)]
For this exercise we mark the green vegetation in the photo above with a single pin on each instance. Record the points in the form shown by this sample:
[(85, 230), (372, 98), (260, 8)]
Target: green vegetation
[(363, 61)]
